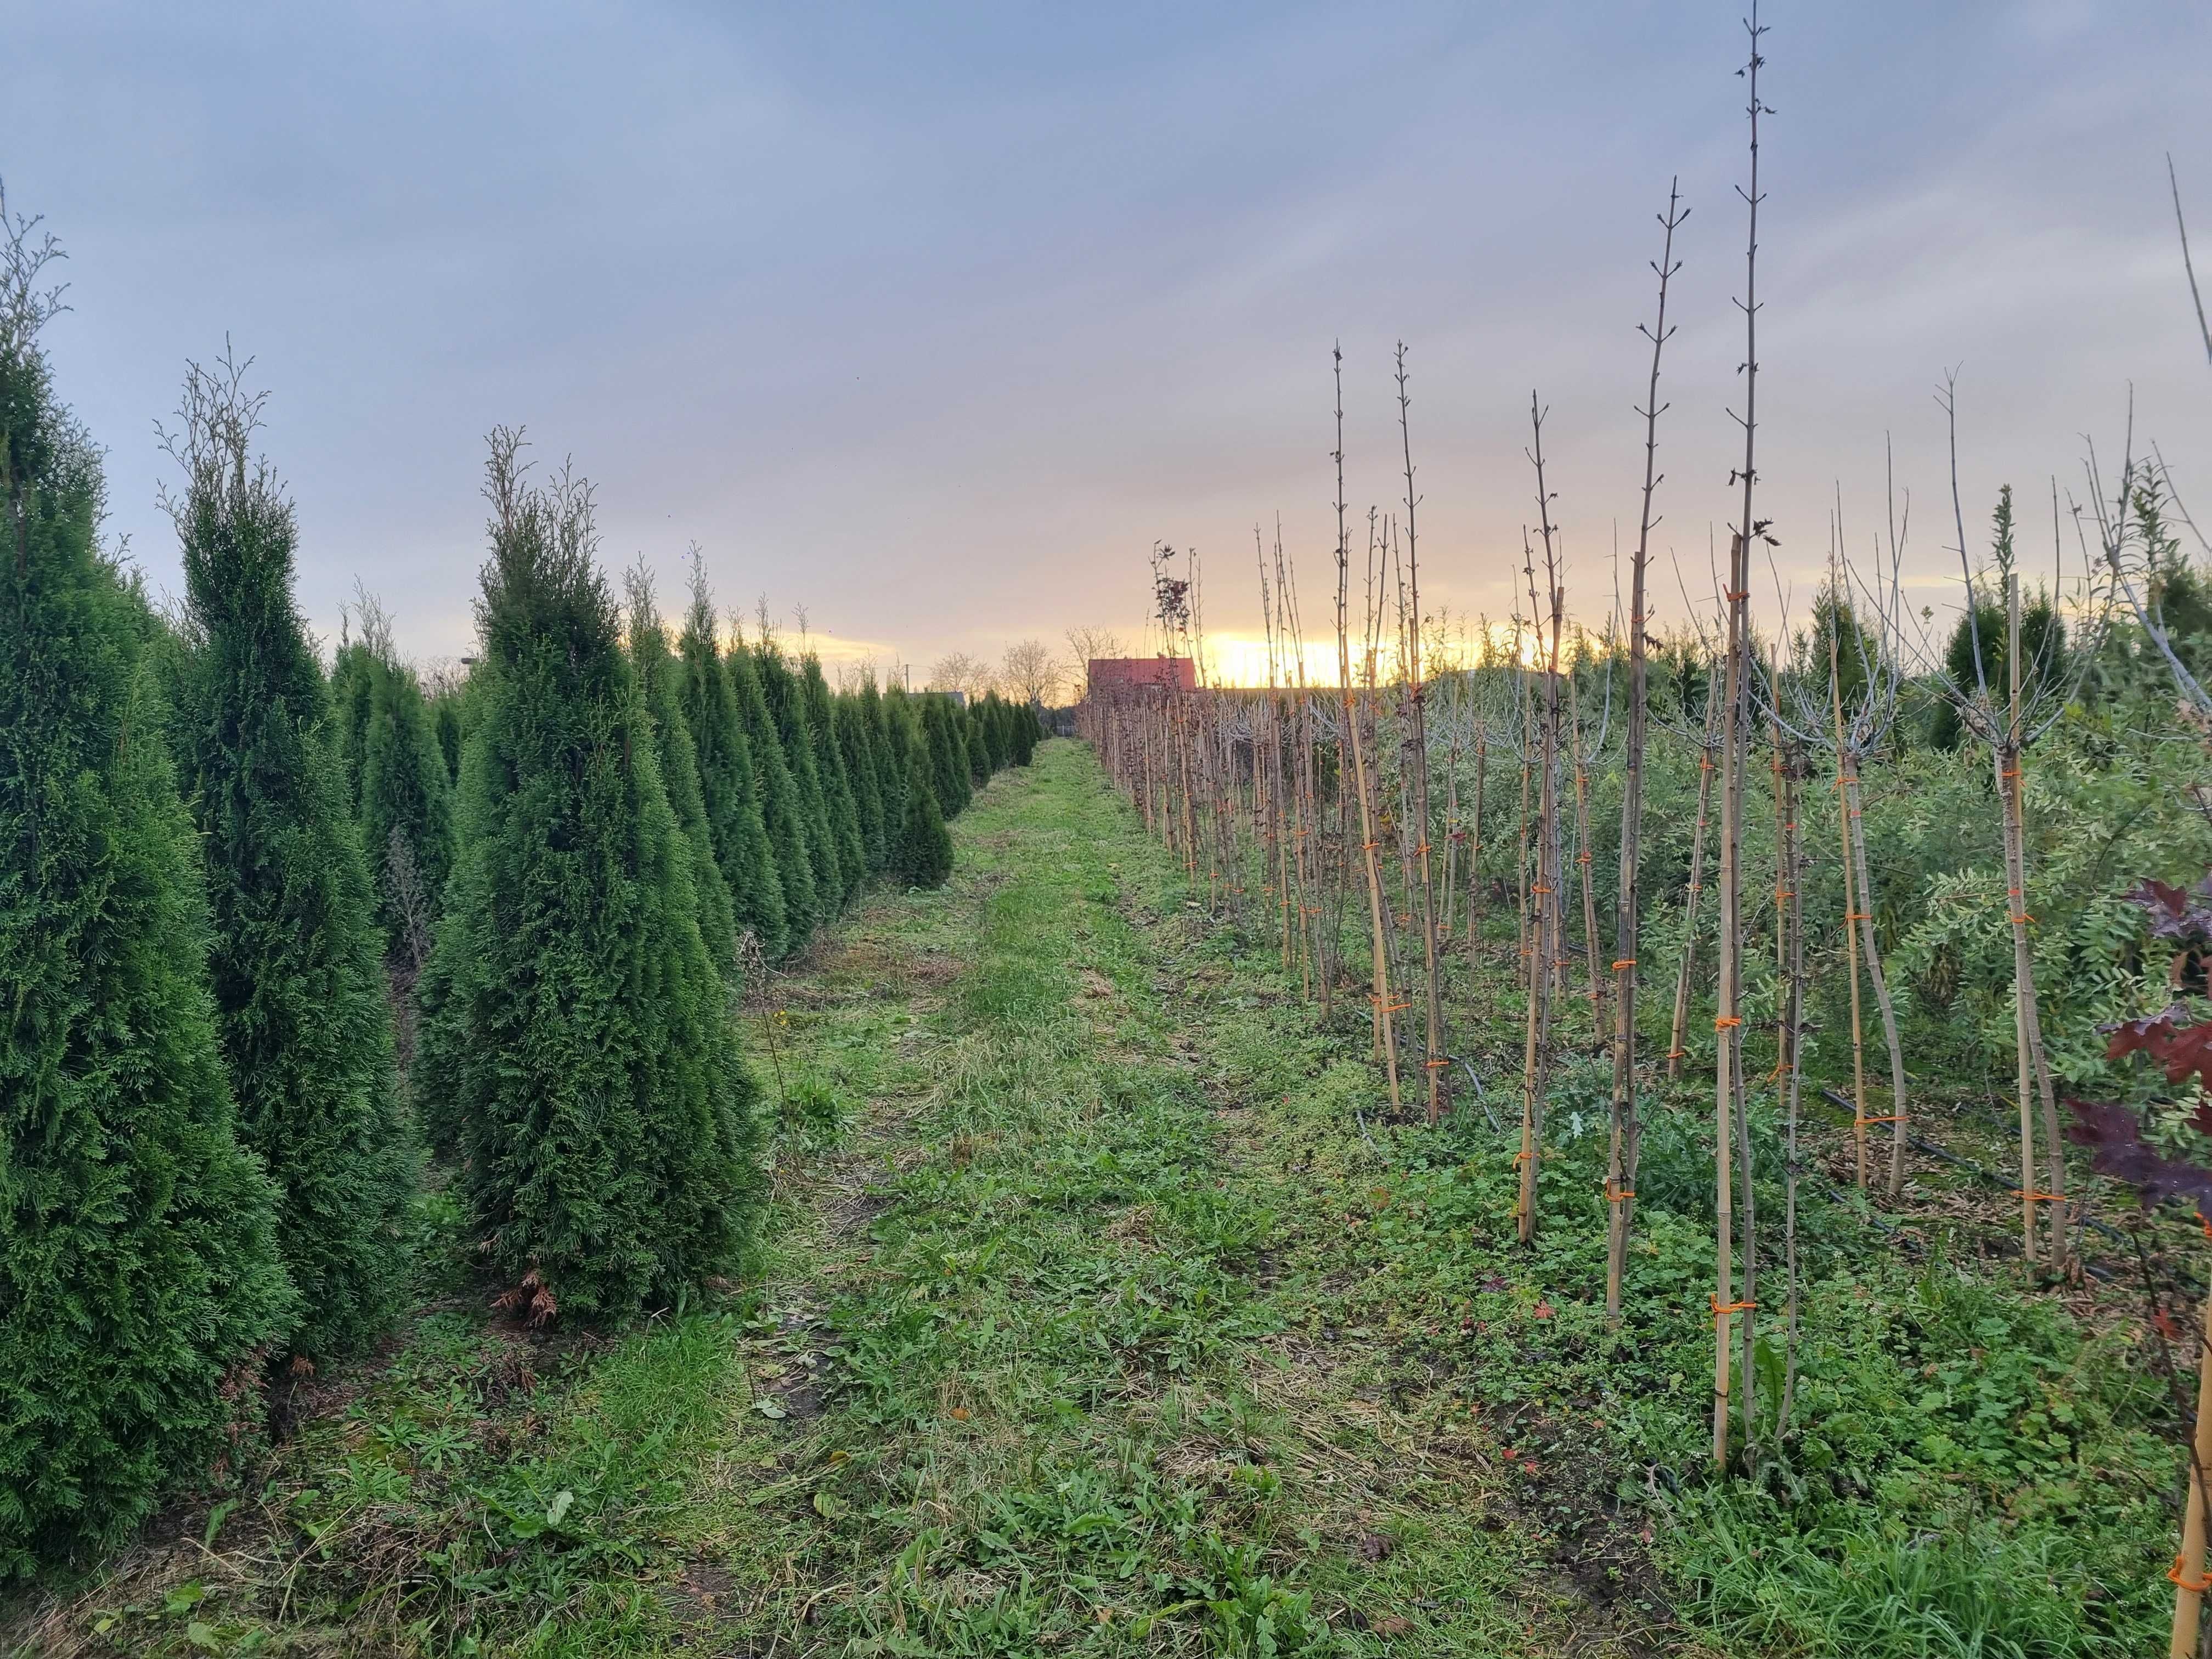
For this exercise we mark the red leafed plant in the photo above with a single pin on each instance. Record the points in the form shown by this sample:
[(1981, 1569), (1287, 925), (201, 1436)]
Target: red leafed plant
[(2182, 1043), (2174, 1038)]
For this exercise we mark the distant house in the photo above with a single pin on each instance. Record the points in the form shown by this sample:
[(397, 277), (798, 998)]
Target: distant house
[(1125, 673)]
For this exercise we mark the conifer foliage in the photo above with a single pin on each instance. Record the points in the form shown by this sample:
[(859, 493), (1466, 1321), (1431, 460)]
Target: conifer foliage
[(580, 1031), (782, 804), (730, 780), (949, 771), (837, 792), (784, 695), (397, 781), (138, 1265), (659, 683), (924, 854), (300, 1003)]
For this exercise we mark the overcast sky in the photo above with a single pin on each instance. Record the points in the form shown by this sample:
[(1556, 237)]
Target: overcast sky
[(932, 319)]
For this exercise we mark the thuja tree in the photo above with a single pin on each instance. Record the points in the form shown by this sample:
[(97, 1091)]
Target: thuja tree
[(396, 780), (786, 702), (947, 762), (406, 806), (730, 781), (850, 719), (923, 854), (837, 792), (903, 737), (985, 742), (660, 677), (353, 695), (579, 1032), (782, 805), (890, 765), (299, 993), (139, 1278), (449, 718), (1025, 732)]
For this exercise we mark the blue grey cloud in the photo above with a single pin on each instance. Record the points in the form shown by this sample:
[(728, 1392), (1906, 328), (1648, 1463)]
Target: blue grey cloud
[(930, 320)]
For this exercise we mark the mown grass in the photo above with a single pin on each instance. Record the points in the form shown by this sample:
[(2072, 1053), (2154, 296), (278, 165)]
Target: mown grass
[(1099, 1312), (1970, 1469)]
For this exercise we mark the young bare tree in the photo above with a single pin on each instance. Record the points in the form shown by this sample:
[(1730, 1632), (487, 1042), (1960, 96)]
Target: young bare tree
[(2008, 719), (1030, 672), (1434, 1062), (1547, 882), (1086, 646), (1626, 1133), (1386, 1047), (959, 672), (1728, 1022)]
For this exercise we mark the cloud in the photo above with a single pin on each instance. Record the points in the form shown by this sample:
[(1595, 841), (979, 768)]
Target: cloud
[(933, 319)]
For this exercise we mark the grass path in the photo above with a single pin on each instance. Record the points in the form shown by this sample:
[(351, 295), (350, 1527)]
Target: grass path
[(1054, 1348), (1055, 1356)]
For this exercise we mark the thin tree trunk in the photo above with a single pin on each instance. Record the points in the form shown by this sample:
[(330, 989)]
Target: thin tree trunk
[(1386, 1048), (1898, 1116), (1434, 1062), (1474, 848), (1847, 781), (1582, 863), (2026, 1013), (1789, 1043), (1625, 1127), (1690, 899), (1728, 1023)]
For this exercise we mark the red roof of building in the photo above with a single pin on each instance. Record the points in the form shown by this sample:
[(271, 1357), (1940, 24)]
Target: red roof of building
[(1116, 672)]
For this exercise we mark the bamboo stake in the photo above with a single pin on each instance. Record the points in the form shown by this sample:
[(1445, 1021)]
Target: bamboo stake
[(2026, 1013), (1525, 833), (1898, 1117), (1626, 1123), (1582, 862), (1539, 981), (1434, 1062), (2188, 1572), (1380, 995), (1706, 745), (1474, 845), (1845, 780), (1789, 1028), (1728, 1024)]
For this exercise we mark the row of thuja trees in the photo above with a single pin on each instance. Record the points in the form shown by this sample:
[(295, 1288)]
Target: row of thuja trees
[(222, 868)]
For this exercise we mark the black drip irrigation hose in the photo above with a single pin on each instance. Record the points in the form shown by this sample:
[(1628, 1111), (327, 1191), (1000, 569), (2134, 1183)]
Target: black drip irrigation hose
[(1922, 1143)]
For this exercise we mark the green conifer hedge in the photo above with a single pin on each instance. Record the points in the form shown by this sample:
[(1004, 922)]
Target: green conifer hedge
[(730, 781), (140, 1286), (660, 678), (782, 805), (924, 855)]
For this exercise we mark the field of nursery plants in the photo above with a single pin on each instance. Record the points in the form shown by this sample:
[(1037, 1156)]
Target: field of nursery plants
[(1669, 1116)]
